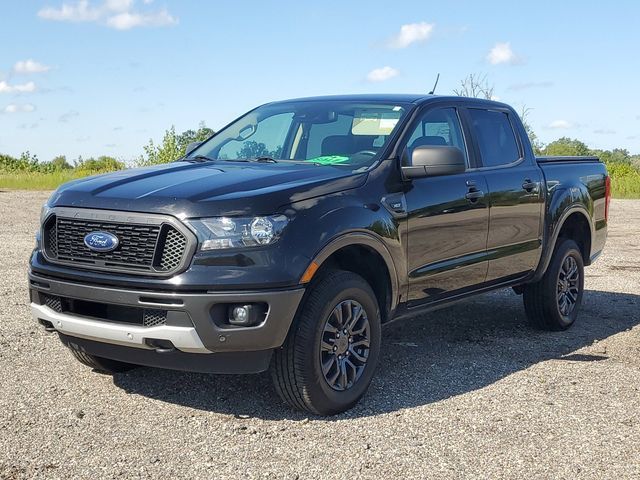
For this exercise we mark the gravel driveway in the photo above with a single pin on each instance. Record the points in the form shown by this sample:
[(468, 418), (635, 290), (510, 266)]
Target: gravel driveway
[(468, 391)]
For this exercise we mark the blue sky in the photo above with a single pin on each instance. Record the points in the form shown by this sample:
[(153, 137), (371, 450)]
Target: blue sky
[(96, 77)]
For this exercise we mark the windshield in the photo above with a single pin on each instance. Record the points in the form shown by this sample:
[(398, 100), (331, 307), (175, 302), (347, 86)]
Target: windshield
[(341, 133)]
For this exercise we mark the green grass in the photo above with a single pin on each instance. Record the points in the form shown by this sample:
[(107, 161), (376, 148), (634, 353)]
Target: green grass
[(623, 186), (36, 180)]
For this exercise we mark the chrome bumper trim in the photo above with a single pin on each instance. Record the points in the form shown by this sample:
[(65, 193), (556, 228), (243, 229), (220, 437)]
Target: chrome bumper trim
[(185, 339)]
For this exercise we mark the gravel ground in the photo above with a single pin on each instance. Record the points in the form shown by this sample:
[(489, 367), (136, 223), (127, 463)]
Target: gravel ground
[(468, 391)]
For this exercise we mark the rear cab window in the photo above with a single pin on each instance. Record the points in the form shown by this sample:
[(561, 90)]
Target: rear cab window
[(495, 136)]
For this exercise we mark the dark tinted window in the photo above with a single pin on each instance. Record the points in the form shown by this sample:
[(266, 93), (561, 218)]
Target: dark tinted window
[(495, 137)]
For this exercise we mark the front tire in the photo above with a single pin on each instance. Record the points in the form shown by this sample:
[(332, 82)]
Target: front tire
[(328, 359), (553, 302)]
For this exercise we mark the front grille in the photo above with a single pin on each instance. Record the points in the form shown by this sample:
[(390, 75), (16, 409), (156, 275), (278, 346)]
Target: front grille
[(173, 249), (155, 247), (148, 317), (153, 318), (53, 302)]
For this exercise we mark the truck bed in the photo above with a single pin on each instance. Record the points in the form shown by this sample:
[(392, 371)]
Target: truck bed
[(550, 159)]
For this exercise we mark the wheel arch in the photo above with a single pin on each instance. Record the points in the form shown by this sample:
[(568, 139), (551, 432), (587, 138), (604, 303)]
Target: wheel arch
[(574, 223), (368, 256)]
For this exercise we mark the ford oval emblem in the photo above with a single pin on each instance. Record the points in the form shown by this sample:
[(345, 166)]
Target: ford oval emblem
[(101, 241)]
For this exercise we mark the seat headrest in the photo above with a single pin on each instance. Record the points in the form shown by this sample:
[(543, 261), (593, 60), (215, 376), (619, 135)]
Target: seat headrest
[(428, 140), (337, 145)]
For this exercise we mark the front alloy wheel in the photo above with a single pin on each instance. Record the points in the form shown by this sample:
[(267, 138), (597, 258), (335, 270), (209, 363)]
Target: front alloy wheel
[(345, 345), (328, 359)]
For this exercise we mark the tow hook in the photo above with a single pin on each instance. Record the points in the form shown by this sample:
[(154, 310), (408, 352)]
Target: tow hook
[(48, 326), (160, 346)]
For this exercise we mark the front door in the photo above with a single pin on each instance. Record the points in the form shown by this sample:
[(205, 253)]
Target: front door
[(448, 217)]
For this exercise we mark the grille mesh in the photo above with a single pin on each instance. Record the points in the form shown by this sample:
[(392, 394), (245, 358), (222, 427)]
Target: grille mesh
[(54, 303), (52, 239), (173, 250), (136, 249), (142, 247), (153, 318)]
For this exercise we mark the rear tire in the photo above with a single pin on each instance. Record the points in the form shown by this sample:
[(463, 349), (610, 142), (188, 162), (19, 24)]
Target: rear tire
[(320, 368), (104, 365), (553, 302)]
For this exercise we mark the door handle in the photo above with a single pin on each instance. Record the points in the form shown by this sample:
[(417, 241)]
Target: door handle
[(474, 195), (530, 186)]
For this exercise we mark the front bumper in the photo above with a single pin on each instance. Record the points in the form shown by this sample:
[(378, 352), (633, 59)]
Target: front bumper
[(193, 323)]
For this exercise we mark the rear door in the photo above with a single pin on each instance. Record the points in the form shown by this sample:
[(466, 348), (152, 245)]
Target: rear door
[(515, 194), (448, 216)]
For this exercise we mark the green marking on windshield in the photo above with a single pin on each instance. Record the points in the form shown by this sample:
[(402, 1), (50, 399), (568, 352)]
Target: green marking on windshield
[(330, 160)]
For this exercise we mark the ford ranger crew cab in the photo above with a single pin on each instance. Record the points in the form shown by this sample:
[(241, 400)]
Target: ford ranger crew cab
[(287, 240)]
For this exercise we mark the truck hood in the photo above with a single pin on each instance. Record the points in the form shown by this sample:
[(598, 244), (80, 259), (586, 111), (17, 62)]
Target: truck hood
[(186, 189)]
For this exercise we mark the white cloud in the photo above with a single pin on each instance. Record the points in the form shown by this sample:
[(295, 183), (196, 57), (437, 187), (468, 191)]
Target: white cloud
[(560, 125), (15, 108), (81, 11), (412, 33), (127, 20), (118, 14), (502, 53), (604, 131), (30, 66), (19, 88), (382, 74)]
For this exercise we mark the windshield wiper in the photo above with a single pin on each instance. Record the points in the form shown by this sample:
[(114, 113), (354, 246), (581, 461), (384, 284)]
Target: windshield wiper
[(263, 159), (201, 158)]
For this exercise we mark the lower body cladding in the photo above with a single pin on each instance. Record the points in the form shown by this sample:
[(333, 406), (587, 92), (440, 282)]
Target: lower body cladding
[(214, 332)]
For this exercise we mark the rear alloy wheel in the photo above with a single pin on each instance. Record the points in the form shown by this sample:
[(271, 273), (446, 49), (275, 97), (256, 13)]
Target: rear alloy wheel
[(328, 359), (568, 286), (553, 302)]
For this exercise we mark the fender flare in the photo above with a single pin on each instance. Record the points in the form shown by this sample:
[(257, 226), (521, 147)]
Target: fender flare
[(550, 244), (363, 238)]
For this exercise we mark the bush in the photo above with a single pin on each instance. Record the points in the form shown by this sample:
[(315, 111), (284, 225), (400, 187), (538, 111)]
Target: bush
[(102, 164)]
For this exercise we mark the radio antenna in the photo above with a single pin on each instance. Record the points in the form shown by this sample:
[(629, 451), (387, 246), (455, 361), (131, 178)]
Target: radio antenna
[(435, 85)]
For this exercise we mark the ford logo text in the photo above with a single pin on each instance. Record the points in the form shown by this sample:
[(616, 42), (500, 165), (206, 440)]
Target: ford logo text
[(101, 241)]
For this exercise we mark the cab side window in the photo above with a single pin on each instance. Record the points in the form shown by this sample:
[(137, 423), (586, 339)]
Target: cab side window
[(495, 136), (440, 126)]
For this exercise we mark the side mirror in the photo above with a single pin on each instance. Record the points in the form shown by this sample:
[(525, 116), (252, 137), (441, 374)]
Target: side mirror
[(433, 160), (191, 147)]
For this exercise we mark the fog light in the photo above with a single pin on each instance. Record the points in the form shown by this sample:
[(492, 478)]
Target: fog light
[(241, 314), (246, 315)]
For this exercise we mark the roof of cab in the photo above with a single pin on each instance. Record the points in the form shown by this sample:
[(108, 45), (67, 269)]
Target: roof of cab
[(394, 98)]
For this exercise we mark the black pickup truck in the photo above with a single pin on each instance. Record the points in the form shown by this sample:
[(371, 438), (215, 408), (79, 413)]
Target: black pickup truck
[(290, 237)]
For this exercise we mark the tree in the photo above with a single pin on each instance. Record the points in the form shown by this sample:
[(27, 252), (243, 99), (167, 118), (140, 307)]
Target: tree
[(173, 145), (566, 146), (190, 136), (475, 86), (536, 144), (101, 164), (60, 163)]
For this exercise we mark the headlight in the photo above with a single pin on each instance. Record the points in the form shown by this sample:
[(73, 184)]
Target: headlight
[(228, 232)]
